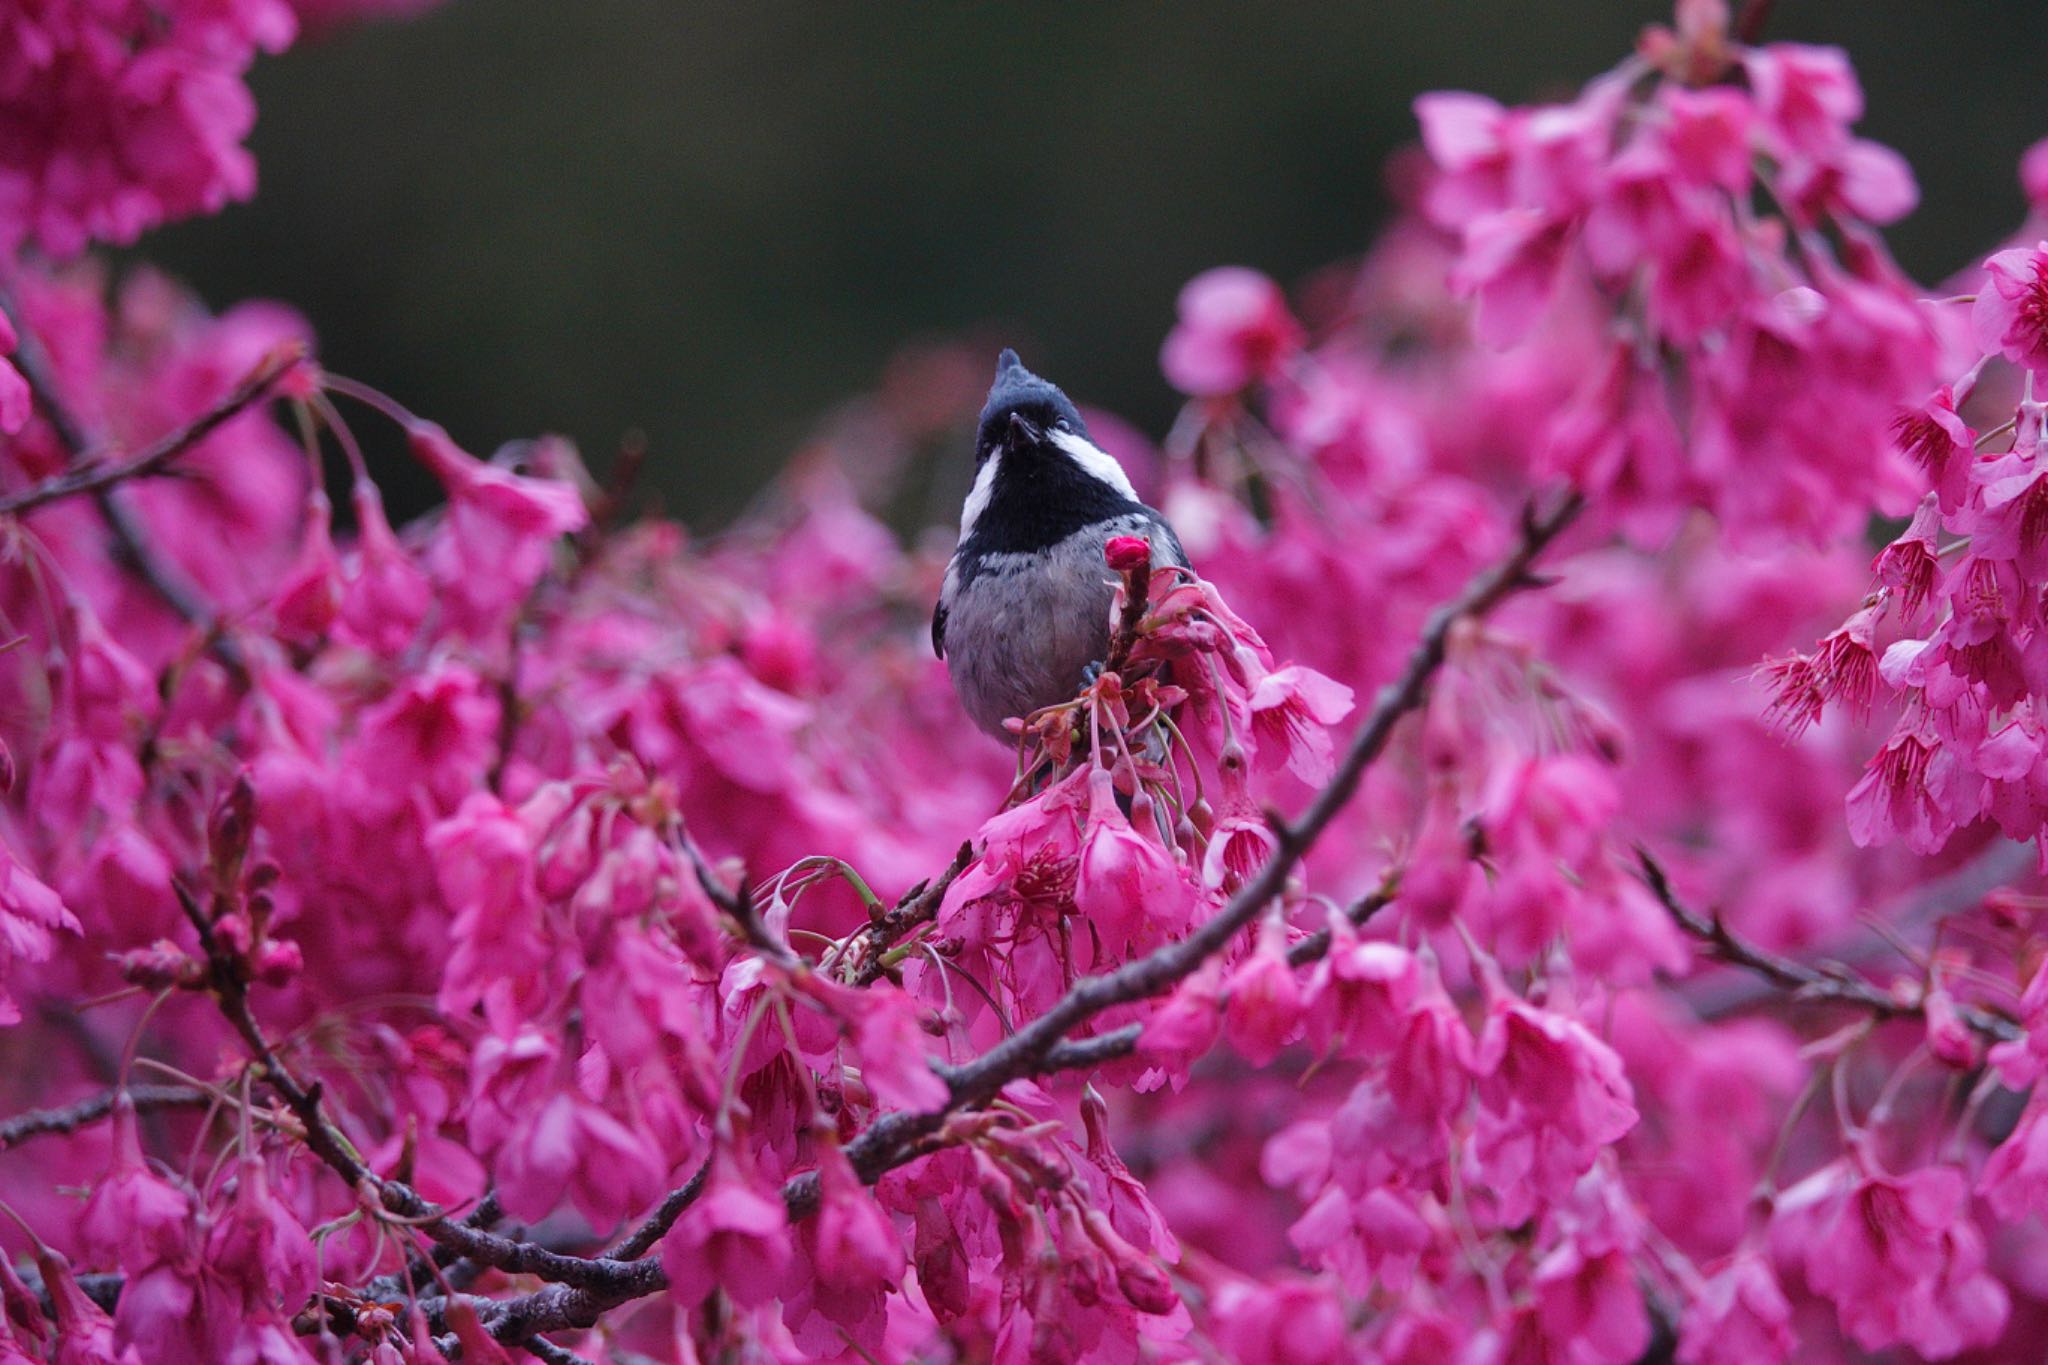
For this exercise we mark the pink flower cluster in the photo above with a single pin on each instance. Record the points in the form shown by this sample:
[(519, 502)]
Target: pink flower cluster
[(533, 931), (1950, 637), (1749, 358), (117, 116)]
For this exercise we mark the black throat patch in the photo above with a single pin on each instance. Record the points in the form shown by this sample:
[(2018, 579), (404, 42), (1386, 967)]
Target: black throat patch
[(1040, 498)]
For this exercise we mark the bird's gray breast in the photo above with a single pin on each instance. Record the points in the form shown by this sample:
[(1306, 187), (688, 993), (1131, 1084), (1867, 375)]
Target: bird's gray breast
[(1021, 629)]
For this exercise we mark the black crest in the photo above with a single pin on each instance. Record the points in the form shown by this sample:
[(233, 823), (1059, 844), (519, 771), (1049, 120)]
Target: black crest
[(1018, 392)]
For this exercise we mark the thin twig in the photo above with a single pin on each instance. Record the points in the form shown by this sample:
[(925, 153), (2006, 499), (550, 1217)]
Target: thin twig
[(644, 1238), (132, 544), (540, 1348), (327, 1143), (72, 1117), (919, 904), (1951, 893), (740, 906), (1137, 592), (613, 500), (1801, 981), (1361, 910), (93, 475)]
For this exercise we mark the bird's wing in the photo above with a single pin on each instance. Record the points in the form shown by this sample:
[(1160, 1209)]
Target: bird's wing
[(1161, 534), (1180, 556), (947, 588)]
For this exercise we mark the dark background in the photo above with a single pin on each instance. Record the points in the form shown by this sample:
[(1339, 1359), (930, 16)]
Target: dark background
[(712, 223)]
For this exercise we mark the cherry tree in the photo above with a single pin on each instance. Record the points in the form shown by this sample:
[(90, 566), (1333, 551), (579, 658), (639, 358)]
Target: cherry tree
[(1559, 882)]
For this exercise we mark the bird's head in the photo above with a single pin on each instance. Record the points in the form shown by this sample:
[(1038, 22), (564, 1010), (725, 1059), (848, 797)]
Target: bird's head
[(1024, 413)]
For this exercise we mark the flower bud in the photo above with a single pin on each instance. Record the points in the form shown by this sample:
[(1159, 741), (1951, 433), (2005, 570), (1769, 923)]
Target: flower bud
[(1128, 554), (277, 961), (161, 965), (232, 822)]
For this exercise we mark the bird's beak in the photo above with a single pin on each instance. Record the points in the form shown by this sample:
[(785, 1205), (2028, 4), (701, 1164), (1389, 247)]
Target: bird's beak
[(1020, 434)]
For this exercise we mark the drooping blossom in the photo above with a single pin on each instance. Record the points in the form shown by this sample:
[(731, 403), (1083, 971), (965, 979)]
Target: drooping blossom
[(1234, 329)]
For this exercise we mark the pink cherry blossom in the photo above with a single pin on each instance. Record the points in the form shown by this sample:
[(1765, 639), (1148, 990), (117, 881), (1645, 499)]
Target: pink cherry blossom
[(1742, 1315), (1805, 95), (736, 1238), (1126, 883), (1265, 1000), (2010, 316), (31, 916), (1898, 1257), (259, 1250), (1234, 329), (135, 1216), (1293, 709)]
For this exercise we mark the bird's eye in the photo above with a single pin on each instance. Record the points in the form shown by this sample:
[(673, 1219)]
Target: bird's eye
[(1062, 424)]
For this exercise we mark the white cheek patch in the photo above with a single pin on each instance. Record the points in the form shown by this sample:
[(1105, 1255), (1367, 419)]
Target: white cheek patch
[(1095, 460), (978, 496)]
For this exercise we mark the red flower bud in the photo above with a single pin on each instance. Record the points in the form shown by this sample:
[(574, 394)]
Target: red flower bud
[(1128, 554)]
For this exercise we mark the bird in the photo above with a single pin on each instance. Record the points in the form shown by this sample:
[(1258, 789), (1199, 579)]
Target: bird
[(1022, 620)]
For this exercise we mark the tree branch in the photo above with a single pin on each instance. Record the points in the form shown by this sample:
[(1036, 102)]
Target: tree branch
[(90, 474), (1315, 945), (1041, 1045), (87, 475), (919, 904), (326, 1142), (741, 907), (541, 1349), (1954, 891), (1801, 981), (644, 1238), (72, 1117), (1137, 594)]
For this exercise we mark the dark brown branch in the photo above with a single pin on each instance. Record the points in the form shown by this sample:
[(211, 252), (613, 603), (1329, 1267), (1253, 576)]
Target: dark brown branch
[(1093, 1052), (899, 1136), (132, 544), (33, 363), (1315, 945), (644, 1238), (1137, 592), (103, 1290), (1023, 1051), (325, 1141), (72, 1117), (93, 475), (740, 906), (1801, 981), (419, 1269), (135, 550), (613, 500), (1957, 890), (919, 905), (540, 1348)]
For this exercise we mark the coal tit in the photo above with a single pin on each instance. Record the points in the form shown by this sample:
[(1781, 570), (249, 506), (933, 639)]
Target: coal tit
[(1024, 611)]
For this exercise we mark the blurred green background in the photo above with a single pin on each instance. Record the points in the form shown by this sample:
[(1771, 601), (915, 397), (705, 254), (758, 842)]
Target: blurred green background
[(712, 223)]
